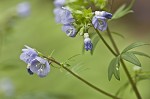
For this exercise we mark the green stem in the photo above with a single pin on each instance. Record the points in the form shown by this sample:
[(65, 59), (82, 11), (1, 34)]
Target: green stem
[(81, 79), (124, 66), (111, 50)]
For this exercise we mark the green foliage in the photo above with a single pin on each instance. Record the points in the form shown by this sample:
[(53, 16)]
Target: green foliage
[(100, 3), (113, 68), (123, 10), (118, 34), (130, 57), (140, 53), (134, 45), (76, 4), (82, 4), (82, 17)]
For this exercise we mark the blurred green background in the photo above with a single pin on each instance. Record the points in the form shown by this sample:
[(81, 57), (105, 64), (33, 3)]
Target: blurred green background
[(40, 31)]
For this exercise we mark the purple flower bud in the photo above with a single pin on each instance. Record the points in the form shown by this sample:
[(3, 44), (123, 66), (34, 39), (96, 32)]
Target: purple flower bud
[(40, 66), (59, 3), (28, 54), (70, 30), (88, 44), (63, 16), (23, 9)]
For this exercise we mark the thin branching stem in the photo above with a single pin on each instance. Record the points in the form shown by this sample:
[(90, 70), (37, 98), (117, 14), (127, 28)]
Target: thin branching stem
[(104, 41), (124, 65), (81, 79)]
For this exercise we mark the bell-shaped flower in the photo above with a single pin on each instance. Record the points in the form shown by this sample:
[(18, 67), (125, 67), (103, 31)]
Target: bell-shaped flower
[(70, 30), (99, 23), (88, 44), (40, 66), (28, 54), (63, 16), (99, 20), (59, 3), (23, 9)]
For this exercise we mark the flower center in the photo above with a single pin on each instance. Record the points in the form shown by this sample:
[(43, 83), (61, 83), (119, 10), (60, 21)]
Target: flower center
[(40, 67), (69, 32)]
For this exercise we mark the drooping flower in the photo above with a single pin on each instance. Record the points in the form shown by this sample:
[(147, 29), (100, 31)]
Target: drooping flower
[(99, 23), (99, 20), (59, 3), (87, 42), (70, 30), (63, 16), (40, 66), (28, 54), (23, 9)]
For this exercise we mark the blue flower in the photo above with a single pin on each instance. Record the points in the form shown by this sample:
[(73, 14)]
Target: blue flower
[(23, 9), (59, 3), (28, 54), (40, 66), (70, 30), (99, 23), (99, 20), (88, 44), (63, 16)]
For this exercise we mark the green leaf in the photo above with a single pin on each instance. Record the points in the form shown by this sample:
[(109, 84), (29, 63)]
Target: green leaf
[(83, 49), (140, 53), (94, 42), (134, 45), (81, 31), (123, 10), (118, 34), (120, 9), (144, 77), (130, 57), (101, 3), (113, 68)]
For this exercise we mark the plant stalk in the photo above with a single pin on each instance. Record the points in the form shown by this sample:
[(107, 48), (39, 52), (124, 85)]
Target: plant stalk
[(111, 50), (81, 79), (124, 65)]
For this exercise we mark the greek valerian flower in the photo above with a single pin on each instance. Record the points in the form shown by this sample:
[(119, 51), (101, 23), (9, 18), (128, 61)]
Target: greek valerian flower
[(23, 9), (35, 64), (70, 30), (63, 16), (59, 3), (40, 66), (99, 20), (28, 54)]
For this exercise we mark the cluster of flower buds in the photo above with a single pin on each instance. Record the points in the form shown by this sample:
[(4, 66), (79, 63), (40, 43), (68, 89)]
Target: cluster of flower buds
[(36, 64), (64, 16), (23, 9), (87, 42)]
